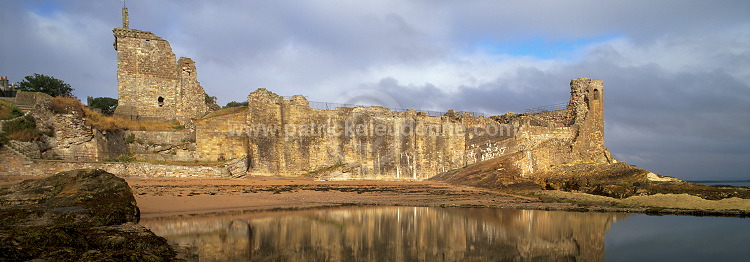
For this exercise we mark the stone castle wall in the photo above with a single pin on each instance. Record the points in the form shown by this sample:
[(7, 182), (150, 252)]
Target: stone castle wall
[(287, 137), (276, 136), (152, 84), (31, 98), (160, 137), (225, 137), (17, 165)]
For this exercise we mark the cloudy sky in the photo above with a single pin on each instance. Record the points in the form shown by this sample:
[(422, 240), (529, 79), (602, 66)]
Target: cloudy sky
[(676, 72)]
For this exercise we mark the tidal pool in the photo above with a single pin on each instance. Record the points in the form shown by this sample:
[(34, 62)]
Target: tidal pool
[(452, 234)]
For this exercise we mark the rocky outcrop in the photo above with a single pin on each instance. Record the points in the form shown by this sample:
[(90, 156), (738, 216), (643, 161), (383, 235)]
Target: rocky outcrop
[(497, 173), (617, 180), (78, 215)]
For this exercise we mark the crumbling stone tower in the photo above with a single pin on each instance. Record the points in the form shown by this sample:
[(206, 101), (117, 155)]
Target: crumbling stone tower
[(573, 134), (152, 84), (587, 105)]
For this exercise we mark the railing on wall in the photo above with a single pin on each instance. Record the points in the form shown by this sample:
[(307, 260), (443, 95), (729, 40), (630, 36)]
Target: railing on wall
[(547, 108)]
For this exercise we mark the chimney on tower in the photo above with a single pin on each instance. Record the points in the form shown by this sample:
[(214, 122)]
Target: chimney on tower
[(125, 21)]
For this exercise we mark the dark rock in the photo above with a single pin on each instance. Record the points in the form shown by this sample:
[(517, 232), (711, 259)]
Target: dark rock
[(86, 215)]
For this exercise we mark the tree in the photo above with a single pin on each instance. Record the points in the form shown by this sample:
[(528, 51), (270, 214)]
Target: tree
[(106, 104), (211, 102), (45, 84), (235, 104)]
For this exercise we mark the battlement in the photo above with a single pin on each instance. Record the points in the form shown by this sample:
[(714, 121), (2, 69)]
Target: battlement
[(133, 33)]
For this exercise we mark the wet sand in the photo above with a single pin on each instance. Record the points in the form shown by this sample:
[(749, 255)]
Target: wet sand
[(164, 197), (174, 196)]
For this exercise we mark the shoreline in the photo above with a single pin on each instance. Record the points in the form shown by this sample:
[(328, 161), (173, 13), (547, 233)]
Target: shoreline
[(179, 197), (170, 197)]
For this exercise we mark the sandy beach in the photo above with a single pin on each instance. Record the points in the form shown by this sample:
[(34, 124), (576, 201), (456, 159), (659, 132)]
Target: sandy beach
[(164, 197), (174, 196)]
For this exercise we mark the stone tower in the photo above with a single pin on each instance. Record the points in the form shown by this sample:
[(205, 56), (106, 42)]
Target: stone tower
[(587, 105), (152, 84)]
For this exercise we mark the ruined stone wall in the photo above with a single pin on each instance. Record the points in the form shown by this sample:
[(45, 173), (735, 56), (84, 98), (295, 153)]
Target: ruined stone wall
[(563, 136), (12, 164), (265, 127), (160, 145), (191, 99), (152, 84), (31, 98), (160, 137), (222, 137), (287, 137), (146, 76)]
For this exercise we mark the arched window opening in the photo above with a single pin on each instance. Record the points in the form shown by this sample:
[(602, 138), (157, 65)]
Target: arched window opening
[(596, 94), (160, 100)]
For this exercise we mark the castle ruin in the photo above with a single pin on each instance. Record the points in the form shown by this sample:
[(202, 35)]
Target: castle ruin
[(278, 136), (281, 136), (152, 84)]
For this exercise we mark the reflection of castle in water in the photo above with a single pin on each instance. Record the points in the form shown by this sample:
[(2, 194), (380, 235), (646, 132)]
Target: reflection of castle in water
[(394, 234)]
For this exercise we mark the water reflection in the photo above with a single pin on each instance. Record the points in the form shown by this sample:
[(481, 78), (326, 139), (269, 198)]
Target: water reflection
[(392, 234)]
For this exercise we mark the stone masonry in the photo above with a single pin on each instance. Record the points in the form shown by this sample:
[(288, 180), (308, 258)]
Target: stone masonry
[(152, 84), (287, 137), (14, 164)]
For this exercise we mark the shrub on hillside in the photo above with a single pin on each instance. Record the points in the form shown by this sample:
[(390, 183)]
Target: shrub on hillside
[(23, 129), (67, 105), (103, 122), (9, 111)]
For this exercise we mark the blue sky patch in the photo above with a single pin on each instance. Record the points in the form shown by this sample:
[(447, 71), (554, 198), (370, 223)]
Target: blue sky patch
[(43, 8), (541, 48)]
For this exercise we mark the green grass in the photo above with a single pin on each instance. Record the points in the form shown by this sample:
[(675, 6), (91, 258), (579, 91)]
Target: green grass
[(9, 111), (23, 129)]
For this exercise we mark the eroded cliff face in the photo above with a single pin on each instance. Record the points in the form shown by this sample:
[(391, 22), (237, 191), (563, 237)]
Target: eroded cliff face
[(394, 234), (288, 137)]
